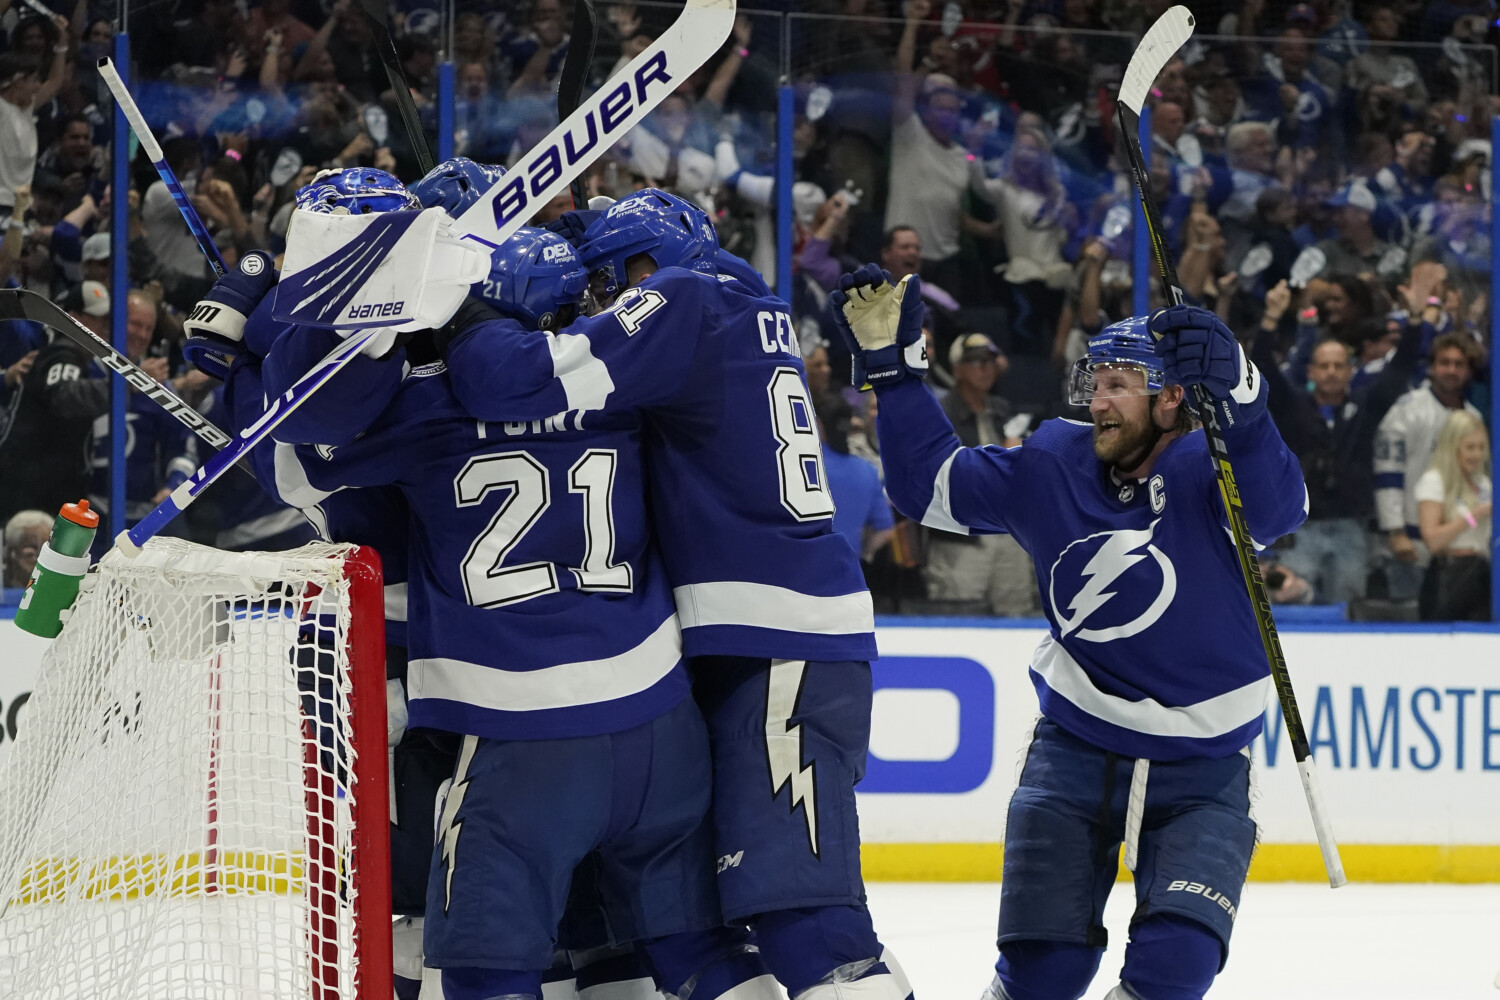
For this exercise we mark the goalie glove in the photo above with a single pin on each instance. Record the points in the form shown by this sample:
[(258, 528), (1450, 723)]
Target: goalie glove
[(215, 328), (881, 324)]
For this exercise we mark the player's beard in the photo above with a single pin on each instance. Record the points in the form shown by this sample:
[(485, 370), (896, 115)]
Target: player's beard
[(1127, 444)]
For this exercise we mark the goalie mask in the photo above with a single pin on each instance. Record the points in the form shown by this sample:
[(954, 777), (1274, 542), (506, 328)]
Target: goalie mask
[(355, 191), (456, 184), (671, 231), (535, 277), (1115, 355)]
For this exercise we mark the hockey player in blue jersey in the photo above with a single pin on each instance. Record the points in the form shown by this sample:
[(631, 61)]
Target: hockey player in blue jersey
[(1152, 680), (775, 613), (542, 629)]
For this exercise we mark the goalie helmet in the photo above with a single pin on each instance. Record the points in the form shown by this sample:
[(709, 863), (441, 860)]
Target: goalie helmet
[(535, 277), (672, 231), (1126, 344), (455, 184), (355, 191)]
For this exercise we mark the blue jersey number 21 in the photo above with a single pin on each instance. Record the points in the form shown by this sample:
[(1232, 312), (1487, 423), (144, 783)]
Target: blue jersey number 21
[(487, 583)]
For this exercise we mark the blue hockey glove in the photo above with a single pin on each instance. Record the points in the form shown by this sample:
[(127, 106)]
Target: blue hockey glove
[(882, 325), (216, 327), (572, 225), (1196, 348)]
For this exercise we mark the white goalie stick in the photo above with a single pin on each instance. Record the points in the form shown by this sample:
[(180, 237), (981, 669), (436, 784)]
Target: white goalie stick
[(19, 304), (1164, 38), (582, 138)]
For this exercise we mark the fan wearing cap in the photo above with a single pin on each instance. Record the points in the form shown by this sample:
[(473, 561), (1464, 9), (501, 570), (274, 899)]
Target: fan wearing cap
[(1151, 676), (978, 574), (1357, 249)]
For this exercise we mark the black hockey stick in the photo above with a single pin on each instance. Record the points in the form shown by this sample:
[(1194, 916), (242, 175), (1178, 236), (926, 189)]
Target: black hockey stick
[(19, 304), (575, 74), (378, 12), (1164, 38)]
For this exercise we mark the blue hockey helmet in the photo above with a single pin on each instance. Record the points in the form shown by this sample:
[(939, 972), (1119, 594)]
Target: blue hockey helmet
[(455, 184), (355, 191), (1128, 345), (672, 231), (535, 277)]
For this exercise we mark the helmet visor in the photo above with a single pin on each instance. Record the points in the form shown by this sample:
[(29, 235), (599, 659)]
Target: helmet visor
[(1111, 378)]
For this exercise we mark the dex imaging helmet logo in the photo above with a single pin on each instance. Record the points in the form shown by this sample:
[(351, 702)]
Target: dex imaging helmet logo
[(1111, 585)]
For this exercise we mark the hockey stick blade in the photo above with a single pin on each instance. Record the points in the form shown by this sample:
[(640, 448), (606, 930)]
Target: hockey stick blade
[(377, 12), (607, 115), (19, 304), (1158, 46), (1170, 32), (209, 472), (575, 72)]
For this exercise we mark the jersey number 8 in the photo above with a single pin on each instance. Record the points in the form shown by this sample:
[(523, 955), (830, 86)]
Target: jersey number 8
[(804, 487)]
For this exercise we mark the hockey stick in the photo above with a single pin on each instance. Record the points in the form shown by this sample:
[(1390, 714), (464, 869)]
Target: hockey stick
[(280, 408), (159, 161), (19, 304), (1164, 38), (377, 12), (575, 73), (697, 34), (608, 114)]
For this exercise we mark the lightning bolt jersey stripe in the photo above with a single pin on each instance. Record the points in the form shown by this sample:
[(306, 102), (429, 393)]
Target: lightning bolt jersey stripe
[(1154, 651)]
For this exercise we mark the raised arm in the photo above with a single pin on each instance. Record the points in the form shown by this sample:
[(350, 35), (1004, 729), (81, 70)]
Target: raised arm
[(58, 73), (904, 100)]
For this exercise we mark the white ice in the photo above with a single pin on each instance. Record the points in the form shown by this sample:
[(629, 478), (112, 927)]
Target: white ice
[(1291, 941)]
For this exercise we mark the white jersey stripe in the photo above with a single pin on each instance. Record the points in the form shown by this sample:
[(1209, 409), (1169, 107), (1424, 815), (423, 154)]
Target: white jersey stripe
[(564, 685), (939, 513), (760, 605), (584, 378), (1209, 718)]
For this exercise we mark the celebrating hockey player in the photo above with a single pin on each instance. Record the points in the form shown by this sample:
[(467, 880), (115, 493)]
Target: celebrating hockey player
[(1152, 681), (773, 604)]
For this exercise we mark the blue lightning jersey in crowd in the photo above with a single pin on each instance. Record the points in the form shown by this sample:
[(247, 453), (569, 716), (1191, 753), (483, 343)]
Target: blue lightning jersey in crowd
[(1154, 651), (537, 608), (739, 498)]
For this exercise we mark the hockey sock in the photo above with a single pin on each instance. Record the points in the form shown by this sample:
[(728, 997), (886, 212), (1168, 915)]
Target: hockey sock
[(1171, 958), (706, 964), (613, 974), (803, 946), (1046, 970), (491, 984)]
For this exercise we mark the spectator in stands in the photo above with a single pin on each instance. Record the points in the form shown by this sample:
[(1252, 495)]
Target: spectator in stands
[(1288, 93), (1250, 151), (25, 534), (978, 574), (21, 92), (182, 269), (1331, 430), (862, 514), (1037, 220), (56, 406), (1455, 501), (930, 169), (1404, 445), (536, 54), (1356, 249), (273, 25), (1407, 182), (73, 162)]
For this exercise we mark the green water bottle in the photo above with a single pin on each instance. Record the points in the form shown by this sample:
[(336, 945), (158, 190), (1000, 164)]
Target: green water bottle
[(60, 566)]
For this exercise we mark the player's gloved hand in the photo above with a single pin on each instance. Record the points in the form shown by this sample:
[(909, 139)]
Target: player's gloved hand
[(215, 328), (572, 225), (1196, 348), (882, 324)]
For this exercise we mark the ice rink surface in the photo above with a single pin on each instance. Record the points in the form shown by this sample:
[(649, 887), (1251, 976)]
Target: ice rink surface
[(1292, 941)]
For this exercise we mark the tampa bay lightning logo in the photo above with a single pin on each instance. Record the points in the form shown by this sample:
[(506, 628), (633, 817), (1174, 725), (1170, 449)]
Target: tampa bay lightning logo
[(1111, 585)]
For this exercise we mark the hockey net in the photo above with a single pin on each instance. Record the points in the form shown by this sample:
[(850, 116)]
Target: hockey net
[(196, 805)]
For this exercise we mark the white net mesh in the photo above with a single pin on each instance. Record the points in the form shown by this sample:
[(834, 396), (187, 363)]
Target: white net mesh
[(180, 805)]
